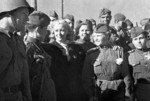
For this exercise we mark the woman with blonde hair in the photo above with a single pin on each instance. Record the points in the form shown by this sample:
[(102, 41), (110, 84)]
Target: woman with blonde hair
[(67, 62)]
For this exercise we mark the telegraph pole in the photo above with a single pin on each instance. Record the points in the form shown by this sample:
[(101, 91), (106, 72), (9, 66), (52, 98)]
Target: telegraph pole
[(62, 8), (34, 4)]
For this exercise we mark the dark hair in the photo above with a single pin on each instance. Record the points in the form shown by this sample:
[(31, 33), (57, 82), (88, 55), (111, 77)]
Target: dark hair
[(85, 22)]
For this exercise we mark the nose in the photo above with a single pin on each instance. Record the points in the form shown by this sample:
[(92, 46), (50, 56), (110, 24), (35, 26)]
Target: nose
[(138, 40)]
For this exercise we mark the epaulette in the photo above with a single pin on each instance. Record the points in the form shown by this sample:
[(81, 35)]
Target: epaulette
[(131, 51), (92, 50)]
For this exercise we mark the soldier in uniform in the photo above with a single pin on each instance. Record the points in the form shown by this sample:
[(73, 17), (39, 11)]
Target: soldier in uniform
[(84, 31), (120, 27), (105, 16), (144, 21), (14, 73), (139, 59), (109, 69), (42, 85), (70, 20)]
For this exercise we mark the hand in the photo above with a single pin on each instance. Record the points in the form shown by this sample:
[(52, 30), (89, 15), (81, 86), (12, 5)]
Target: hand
[(119, 61)]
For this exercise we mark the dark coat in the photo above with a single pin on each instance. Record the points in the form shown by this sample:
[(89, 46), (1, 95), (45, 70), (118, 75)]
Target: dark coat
[(14, 67), (66, 72), (42, 85)]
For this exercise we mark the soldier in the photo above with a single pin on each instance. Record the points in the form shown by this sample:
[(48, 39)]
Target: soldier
[(42, 85), (109, 68), (14, 74), (144, 21), (139, 59), (120, 27), (105, 16), (129, 26), (70, 20), (85, 30), (147, 28)]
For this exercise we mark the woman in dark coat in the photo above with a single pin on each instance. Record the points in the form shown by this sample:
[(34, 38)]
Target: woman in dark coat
[(67, 62)]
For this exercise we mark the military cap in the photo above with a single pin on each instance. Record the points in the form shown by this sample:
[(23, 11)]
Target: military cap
[(136, 31), (102, 28), (53, 14), (144, 21), (119, 17), (10, 5), (69, 16), (38, 18), (92, 20), (128, 22), (104, 11)]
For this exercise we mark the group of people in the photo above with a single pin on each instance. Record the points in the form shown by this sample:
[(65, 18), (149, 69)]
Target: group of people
[(44, 58)]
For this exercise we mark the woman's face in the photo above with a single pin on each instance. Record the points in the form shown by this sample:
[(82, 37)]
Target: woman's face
[(19, 18), (60, 32), (100, 39), (85, 32), (139, 42)]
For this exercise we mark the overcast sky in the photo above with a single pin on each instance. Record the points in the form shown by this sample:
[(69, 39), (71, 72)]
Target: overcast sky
[(135, 10)]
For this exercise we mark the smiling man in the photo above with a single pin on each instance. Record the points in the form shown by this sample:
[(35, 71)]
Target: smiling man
[(105, 16)]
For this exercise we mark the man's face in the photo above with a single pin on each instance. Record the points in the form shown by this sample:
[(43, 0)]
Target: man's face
[(105, 19), (42, 32), (100, 38), (139, 42), (19, 18)]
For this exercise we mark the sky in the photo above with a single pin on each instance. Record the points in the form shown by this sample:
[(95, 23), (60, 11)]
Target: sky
[(135, 10)]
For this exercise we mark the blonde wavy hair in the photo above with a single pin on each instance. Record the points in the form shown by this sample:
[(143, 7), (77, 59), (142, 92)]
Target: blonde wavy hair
[(70, 34)]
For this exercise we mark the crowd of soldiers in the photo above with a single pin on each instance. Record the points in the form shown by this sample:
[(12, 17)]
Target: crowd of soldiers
[(44, 58)]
